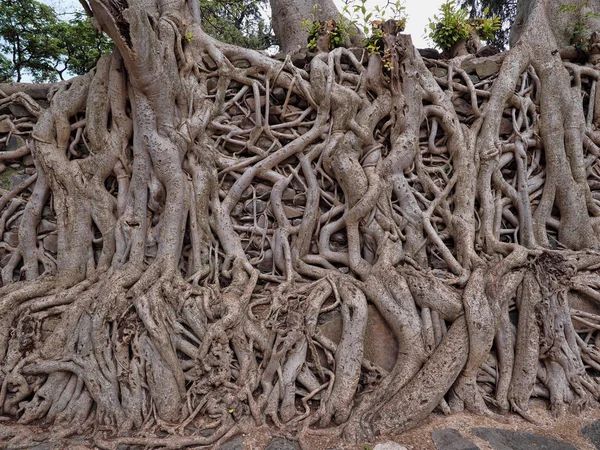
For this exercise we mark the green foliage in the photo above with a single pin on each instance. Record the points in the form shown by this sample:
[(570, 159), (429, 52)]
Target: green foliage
[(374, 44), (579, 31), (239, 22), (81, 45), (453, 25), (364, 18), (355, 15), (505, 10), (35, 42), (5, 69), (314, 28), (486, 28), (336, 30), (27, 38), (450, 27), (5, 177)]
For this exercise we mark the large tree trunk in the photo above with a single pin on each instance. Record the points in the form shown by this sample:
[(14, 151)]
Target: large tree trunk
[(211, 207)]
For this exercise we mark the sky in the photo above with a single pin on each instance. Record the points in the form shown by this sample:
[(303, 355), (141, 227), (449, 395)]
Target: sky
[(418, 11)]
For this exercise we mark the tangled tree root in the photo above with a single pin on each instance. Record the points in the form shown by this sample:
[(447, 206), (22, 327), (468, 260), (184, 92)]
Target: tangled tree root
[(192, 218)]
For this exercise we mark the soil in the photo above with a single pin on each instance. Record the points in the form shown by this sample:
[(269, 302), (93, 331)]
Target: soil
[(567, 428)]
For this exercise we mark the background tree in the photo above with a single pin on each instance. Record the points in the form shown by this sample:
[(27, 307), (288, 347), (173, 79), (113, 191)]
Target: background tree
[(237, 22), (81, 46), (506, 10), (198, 210), (28, 38), (35, 42)]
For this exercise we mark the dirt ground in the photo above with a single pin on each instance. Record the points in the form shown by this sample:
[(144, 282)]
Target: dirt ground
[(567, 428)]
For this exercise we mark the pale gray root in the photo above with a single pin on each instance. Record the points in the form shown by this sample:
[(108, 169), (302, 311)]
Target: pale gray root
[(206, 235)]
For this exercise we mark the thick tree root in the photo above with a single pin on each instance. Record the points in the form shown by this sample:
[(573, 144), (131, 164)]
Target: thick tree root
[(212, 234)]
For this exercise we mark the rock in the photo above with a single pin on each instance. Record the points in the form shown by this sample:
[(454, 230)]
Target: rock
[(339, 238), (15, 143), (474, 78), (237, 443), (302, 104), (264, 222), (47, 446), (51, 243), (46, 226), (11, 238), (487, 50), (299, 200), (292, 212), (513, 440), (235, 111), (17, 179), (592, 433), (484, 67), (4, 126), (209, 61), (237, 210), (381, 347), (389, 445), (261, 190), (299, 59), (487, 68), (451, 439), (280, 443), (467, 65), (28, 160), (266, 264), (506, 127), (462, 107), (257, 206), (288, 194), (279, 94), (250, 101), (211, 84), (440, 72), (430, 53), (19, 111)]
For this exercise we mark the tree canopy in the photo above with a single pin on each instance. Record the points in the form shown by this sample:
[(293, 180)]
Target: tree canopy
[(506, 10), (240, 22), (35, 42)]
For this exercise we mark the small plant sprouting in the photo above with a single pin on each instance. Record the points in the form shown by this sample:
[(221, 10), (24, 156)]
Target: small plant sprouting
[(453, 25), (364, 18), (336, 30), (579, 31), (355, 15)]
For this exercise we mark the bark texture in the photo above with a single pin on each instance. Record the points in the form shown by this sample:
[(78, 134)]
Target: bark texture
[(196, 211)]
